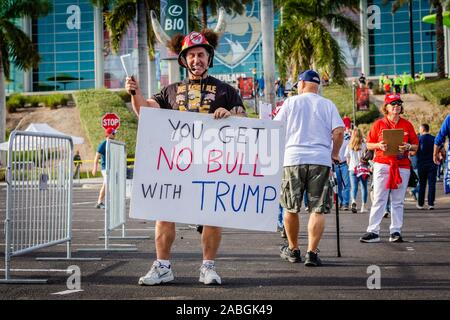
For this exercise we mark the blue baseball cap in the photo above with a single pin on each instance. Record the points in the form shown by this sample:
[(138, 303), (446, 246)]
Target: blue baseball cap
[(310, 76)]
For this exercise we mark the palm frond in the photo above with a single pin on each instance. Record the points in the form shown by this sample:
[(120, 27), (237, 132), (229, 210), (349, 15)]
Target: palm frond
[(4, 45), (348, 26), (22, 52), (25, 8), (102, 3), (118, 20)]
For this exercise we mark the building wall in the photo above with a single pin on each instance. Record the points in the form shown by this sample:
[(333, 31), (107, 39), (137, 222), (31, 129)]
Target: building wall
[(240, 48), (65, 41), (389, 48)]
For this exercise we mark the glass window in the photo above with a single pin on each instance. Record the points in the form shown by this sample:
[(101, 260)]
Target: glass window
[(424, 38)]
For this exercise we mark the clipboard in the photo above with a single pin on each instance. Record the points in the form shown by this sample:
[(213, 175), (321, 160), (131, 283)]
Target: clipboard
[(393, 138)]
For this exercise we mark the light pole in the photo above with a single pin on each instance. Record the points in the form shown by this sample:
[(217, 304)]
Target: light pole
[(354, 102), (268, 50), (254, 89)]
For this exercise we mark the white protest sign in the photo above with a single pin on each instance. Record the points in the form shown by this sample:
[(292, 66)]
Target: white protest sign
[(265, 110), (191, 168)]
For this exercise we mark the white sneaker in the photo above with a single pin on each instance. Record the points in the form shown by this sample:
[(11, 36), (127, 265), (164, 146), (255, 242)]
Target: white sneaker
[(363, 208), (419, 207), (208, 275), (158, 274)]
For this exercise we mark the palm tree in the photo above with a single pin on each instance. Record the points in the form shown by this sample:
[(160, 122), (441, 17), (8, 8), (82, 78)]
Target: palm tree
[(439, 5), (303, 40), (117, 20), (15, 45), (230, 6)]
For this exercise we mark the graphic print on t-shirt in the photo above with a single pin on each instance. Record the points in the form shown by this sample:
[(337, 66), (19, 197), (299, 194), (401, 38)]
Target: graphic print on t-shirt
[(195, 97)]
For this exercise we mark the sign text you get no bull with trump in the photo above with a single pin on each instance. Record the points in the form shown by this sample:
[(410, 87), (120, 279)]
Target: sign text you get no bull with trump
[(191, 168)]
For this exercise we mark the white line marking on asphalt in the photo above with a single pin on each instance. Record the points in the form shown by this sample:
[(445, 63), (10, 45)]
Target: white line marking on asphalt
[(420, 236), (67, 292), (86, 245), (36, 270), (80, 203), (410, 248), (101, 230)]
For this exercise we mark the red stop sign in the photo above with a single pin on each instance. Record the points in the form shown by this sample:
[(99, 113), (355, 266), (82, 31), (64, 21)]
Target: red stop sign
[(110, 120)]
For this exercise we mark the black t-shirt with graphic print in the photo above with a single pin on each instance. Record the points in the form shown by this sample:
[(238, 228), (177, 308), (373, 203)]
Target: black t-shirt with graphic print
[(210, 92)]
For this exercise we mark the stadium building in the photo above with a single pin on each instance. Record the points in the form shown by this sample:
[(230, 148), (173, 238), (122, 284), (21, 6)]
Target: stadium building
[(73, 45)]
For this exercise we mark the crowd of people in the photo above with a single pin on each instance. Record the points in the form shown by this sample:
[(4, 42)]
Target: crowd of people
[(318, 142), (400, 83)]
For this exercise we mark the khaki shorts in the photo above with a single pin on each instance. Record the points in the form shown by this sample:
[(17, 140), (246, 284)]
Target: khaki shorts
[(314, 179)]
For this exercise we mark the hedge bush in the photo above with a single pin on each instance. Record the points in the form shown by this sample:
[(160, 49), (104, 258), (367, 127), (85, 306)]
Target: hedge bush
[(342, 98), (437, 91), (93, 104), (124, 95), (17, 100)]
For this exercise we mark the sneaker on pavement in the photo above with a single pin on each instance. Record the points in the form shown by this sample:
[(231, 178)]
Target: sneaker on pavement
[(370, 237), (345, 207), (158, 274), (363, 208), (312, 259), (430, 207), (100, 205), (419, 207), (386, 214), (354, 210), (290, 255), (396, 237), (208, 274)]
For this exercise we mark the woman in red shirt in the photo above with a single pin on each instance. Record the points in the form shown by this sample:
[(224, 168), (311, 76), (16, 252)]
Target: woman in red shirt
[(390, 173)]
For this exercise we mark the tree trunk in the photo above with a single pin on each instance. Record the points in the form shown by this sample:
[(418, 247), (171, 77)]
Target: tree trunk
[(440, 41), (268, 50), (142, 48), (2, 112), (204, 15), (153, 85)]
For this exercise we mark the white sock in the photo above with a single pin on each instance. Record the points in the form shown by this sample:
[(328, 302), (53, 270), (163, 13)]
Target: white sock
[(164, 263), (208, 262)]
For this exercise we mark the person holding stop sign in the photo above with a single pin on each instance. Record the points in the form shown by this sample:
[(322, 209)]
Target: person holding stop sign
[(110, 133)]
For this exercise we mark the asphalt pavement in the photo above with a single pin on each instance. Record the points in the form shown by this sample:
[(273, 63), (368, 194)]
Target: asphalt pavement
[(248, 261)]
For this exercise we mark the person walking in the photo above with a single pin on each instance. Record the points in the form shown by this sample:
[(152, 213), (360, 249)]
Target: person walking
[(342, 173), (390, 172), (200, 93), (110, 134), (77, 164), (387, 84), (353, 153), (398, 83), (427, 169), (314, 135), (439, 141)]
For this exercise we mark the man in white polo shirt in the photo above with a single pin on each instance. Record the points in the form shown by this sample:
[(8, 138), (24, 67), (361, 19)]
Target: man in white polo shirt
[(314, 135)]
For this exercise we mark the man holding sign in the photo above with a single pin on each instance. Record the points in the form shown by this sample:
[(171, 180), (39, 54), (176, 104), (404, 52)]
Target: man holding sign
[(198, 93)]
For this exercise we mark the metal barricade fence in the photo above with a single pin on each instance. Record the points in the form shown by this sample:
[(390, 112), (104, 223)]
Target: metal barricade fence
[(115, 204), (39, 196)]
